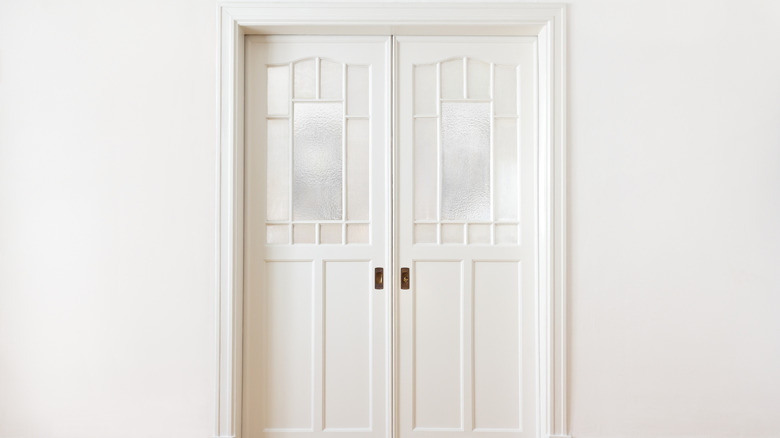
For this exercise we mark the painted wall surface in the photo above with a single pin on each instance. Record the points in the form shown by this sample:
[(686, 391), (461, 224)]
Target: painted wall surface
[(107, 179)]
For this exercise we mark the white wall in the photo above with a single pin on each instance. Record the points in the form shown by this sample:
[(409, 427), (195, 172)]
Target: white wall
[(675, 218), (107, 134), (107, 147)]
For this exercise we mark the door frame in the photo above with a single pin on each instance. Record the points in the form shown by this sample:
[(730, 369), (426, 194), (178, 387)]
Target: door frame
[(546, 22)]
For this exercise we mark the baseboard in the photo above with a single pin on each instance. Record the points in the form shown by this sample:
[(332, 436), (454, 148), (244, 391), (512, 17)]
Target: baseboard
[(550, 436)]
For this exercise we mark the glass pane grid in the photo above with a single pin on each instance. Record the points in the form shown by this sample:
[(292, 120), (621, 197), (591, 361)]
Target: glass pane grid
[(326, 190), (449, 93), (318, 234), (468, 233)]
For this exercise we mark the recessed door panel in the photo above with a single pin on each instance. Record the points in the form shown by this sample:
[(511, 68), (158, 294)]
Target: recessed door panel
[(347, 345), (289, 291), (497, 345), (438, 351)]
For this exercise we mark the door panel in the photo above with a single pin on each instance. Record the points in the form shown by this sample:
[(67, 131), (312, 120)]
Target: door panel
[(288, 302), (316, 333), (347, 345), (497, 339), (466, 340), (438, 353)]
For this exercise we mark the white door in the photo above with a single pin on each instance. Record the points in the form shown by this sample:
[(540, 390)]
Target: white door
[(466, 340), (316, 331), (322, 214)]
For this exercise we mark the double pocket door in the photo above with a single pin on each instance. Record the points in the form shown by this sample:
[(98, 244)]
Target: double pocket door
[(389, 237)]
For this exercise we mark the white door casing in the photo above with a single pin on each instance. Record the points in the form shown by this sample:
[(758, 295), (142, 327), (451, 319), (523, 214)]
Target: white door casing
[(545, 24)]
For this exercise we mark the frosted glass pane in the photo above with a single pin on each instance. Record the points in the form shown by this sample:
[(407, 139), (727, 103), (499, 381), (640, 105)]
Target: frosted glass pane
[(425, 233), (304, 79), (357, 90), (330, 233), (452, 79), (425, 177), (465, 137), (357, 233), (479, 233), (506, 234), (505, 168), (505, 94), (317, 161), (330, 78), (425, 89), (304, 233), (278, 170), (357, 169), (452, 233), (278, 89), (478, 79), (276, 234)]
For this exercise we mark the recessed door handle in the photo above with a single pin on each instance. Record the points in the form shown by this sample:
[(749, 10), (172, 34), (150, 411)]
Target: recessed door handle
[(379, 278), (404, 278)]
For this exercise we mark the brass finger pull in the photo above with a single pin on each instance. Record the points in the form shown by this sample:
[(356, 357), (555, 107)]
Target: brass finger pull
[(404, 278), (379, 278)]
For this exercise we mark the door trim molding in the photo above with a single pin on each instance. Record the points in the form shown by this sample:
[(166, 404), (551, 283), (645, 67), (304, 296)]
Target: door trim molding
[(547, 22)]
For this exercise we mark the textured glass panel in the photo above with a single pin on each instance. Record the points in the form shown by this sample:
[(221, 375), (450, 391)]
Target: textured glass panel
[(276, 234), (304, 233), (479, 233), (425, 233), (278, 170), (278, 89), (304, 79), (317, 160), (452, 233), (357, 233), (357, 169), (330, 233), (505, 168), (452, 79), (425, 89), (357, 90), (506, 234), (478, 79), (330, 78), (465, 137), (505, 93), (425, 176)]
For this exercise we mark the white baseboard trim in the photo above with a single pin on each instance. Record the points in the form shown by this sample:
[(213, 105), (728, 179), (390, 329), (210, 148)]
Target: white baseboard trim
[(233, 436)]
